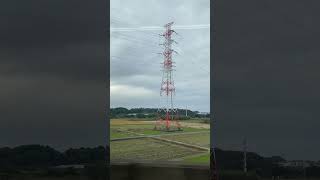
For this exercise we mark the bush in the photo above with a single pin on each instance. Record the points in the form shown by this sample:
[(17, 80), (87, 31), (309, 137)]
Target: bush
[(141, 116)]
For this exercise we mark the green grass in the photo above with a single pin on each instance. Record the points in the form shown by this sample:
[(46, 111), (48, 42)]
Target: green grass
[(195, 120), (148, 149), (115, 133), (150, 131), (145, 129), (119, 135), (189, 129), (201, 139), (151, 149), (201, 159)]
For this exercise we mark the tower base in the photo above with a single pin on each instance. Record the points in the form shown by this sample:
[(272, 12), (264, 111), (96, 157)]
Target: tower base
[(167, 125), (167, 129)]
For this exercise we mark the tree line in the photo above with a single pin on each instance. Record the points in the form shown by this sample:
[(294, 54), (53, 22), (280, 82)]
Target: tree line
[(262, 166), (28, 157), (39, 156), (121, 112)]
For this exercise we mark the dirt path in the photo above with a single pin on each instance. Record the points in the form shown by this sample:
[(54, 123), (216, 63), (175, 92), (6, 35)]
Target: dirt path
[(158, 137), (197, 125), (139, 135), (191, 156), (182, 143)]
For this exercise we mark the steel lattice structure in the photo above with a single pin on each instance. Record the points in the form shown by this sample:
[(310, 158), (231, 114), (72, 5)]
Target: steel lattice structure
[(167, 117)]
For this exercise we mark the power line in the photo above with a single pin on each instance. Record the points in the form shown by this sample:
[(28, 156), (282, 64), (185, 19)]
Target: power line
[(145, 42), (134, 39), (157, 28)]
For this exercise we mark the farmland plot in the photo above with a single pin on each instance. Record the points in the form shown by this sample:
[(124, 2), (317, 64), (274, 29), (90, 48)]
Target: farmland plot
[(199, 139), (148, 149), (170, 146)]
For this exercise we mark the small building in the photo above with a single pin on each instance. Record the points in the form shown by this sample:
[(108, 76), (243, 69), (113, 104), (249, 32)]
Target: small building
[(296, 164), (203, 113), (132, 114)]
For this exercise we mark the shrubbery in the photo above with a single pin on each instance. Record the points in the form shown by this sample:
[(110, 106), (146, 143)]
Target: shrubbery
[(30, 157), (121, 112)]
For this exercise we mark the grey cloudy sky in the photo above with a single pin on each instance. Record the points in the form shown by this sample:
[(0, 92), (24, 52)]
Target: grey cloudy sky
[(53, 73), (267, 87), (135, 74), (266, 61)]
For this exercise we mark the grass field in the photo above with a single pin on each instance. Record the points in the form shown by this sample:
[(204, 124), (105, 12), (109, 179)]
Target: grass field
[(148, 149), (174, 146), (200, 159), (201, 139), (125, 128)]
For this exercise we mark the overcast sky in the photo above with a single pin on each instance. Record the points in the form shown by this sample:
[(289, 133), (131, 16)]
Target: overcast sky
[(267, 61), (135, 75), (53, 73)]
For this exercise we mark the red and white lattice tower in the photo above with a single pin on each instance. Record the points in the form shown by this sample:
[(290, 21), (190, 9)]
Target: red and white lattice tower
[(167, 116)]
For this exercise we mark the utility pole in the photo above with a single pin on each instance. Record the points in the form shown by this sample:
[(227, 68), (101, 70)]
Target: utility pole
[(304, 170), (245, 155), (213, 160), (186, 112)]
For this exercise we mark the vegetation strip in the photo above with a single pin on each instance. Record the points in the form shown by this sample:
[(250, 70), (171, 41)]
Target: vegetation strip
[(183, 144), (150, 136)]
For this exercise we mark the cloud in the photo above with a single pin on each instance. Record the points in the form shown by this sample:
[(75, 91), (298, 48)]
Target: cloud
[(53, 73), (266, 77), (135, 44), (129, 91)]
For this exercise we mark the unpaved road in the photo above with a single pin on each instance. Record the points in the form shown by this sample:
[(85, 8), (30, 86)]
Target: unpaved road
[(186, 124)]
